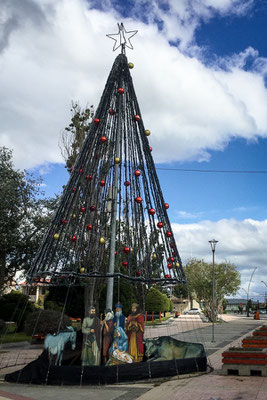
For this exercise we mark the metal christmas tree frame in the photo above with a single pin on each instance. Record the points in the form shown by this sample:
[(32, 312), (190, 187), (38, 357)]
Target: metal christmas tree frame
[(112, 219)]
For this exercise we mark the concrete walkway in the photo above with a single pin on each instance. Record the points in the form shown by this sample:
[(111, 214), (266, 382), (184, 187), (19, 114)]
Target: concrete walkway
[(212, 386)]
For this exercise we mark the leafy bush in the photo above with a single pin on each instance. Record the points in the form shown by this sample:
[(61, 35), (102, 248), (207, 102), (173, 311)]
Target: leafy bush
[(3, 327), (57, 296), (15, 307), (154, 300), (170, 306), (45, 321), (52, 305)]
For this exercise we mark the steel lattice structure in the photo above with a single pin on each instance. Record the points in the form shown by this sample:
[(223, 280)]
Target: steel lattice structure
[(112, 210)]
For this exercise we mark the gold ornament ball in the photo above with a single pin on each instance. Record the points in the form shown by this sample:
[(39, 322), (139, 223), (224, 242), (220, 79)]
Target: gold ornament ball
[(117, 160), (74, 216), (147, 132), (130, 65), (177, 265), (82, 270), (154, 256), (102, 240), (56, 236)]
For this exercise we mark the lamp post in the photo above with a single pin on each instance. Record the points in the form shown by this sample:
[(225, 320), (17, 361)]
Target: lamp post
[(253, 272), (213, 243), (265, 295)]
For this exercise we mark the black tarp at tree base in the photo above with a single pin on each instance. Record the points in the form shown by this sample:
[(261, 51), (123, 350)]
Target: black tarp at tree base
[(39, 372)]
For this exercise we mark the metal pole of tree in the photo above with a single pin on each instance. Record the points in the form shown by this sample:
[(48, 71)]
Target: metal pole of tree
[(213, 243)]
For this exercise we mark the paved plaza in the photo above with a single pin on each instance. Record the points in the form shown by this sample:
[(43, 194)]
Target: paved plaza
[(210, 386)]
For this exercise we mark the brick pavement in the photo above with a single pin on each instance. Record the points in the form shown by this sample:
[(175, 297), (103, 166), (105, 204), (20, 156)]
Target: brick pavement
[(11, 357), (212, 386)]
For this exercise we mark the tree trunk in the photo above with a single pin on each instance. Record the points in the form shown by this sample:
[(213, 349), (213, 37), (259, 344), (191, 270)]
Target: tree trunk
[(2, 269), (89, 295)]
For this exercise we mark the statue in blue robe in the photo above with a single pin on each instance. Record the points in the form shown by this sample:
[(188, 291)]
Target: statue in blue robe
[(119, 318)]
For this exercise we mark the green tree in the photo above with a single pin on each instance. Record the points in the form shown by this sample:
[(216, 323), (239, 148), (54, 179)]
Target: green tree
[(73, 136), (224, 304), (154, 300), (24, 217), (166, 302), (181, 290), (15, 307), (199, 280)]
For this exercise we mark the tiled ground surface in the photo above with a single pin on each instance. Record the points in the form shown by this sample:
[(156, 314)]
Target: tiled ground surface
[(211, 386), (11, 357)]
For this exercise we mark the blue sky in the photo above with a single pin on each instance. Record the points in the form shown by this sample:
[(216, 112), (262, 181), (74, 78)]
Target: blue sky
[(200, 77)]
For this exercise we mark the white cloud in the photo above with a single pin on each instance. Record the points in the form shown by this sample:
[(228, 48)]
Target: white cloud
[(187, 215), (242, 243), (56, 51), (180, 19)]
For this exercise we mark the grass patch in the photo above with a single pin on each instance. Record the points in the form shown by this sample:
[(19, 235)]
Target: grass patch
[(15, 337), (156, 321)]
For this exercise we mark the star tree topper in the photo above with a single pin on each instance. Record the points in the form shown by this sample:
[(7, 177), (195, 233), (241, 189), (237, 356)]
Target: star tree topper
[(122, 38)]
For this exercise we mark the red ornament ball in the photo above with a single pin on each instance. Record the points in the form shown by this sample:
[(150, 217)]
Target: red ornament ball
[(74, 238), (111, 111), (126, 183), (137, 118), (167, 276), (92, 208), (170, 259), (137, 172), (138, 272), (169, 265), (89, 227), (96, 120), (166, 206), (73, 190), (82, 209), (168, 234), (138, 200), (151, 211), (125, 264), (150, 148), (172, 245), (102, 183), (89, 177), (121, 90), (103, 139), (64, 221), (81, 171), (160, 225), (115, 253), (126, 250)]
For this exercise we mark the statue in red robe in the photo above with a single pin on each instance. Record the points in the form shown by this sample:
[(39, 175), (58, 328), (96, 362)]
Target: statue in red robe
[(135, 327)]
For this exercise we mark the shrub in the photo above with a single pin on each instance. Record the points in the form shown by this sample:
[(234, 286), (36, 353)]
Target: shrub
[(52, 305), (154, 300), (170, 306), (166, 303), (15, 307), (3, 327), (45, 321)]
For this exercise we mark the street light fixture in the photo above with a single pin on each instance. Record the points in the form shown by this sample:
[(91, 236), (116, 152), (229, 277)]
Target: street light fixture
[(265, 295), (213, 243), (247, 291)]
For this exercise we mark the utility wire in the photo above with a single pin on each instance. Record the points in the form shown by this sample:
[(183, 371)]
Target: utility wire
[(222, 171)]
